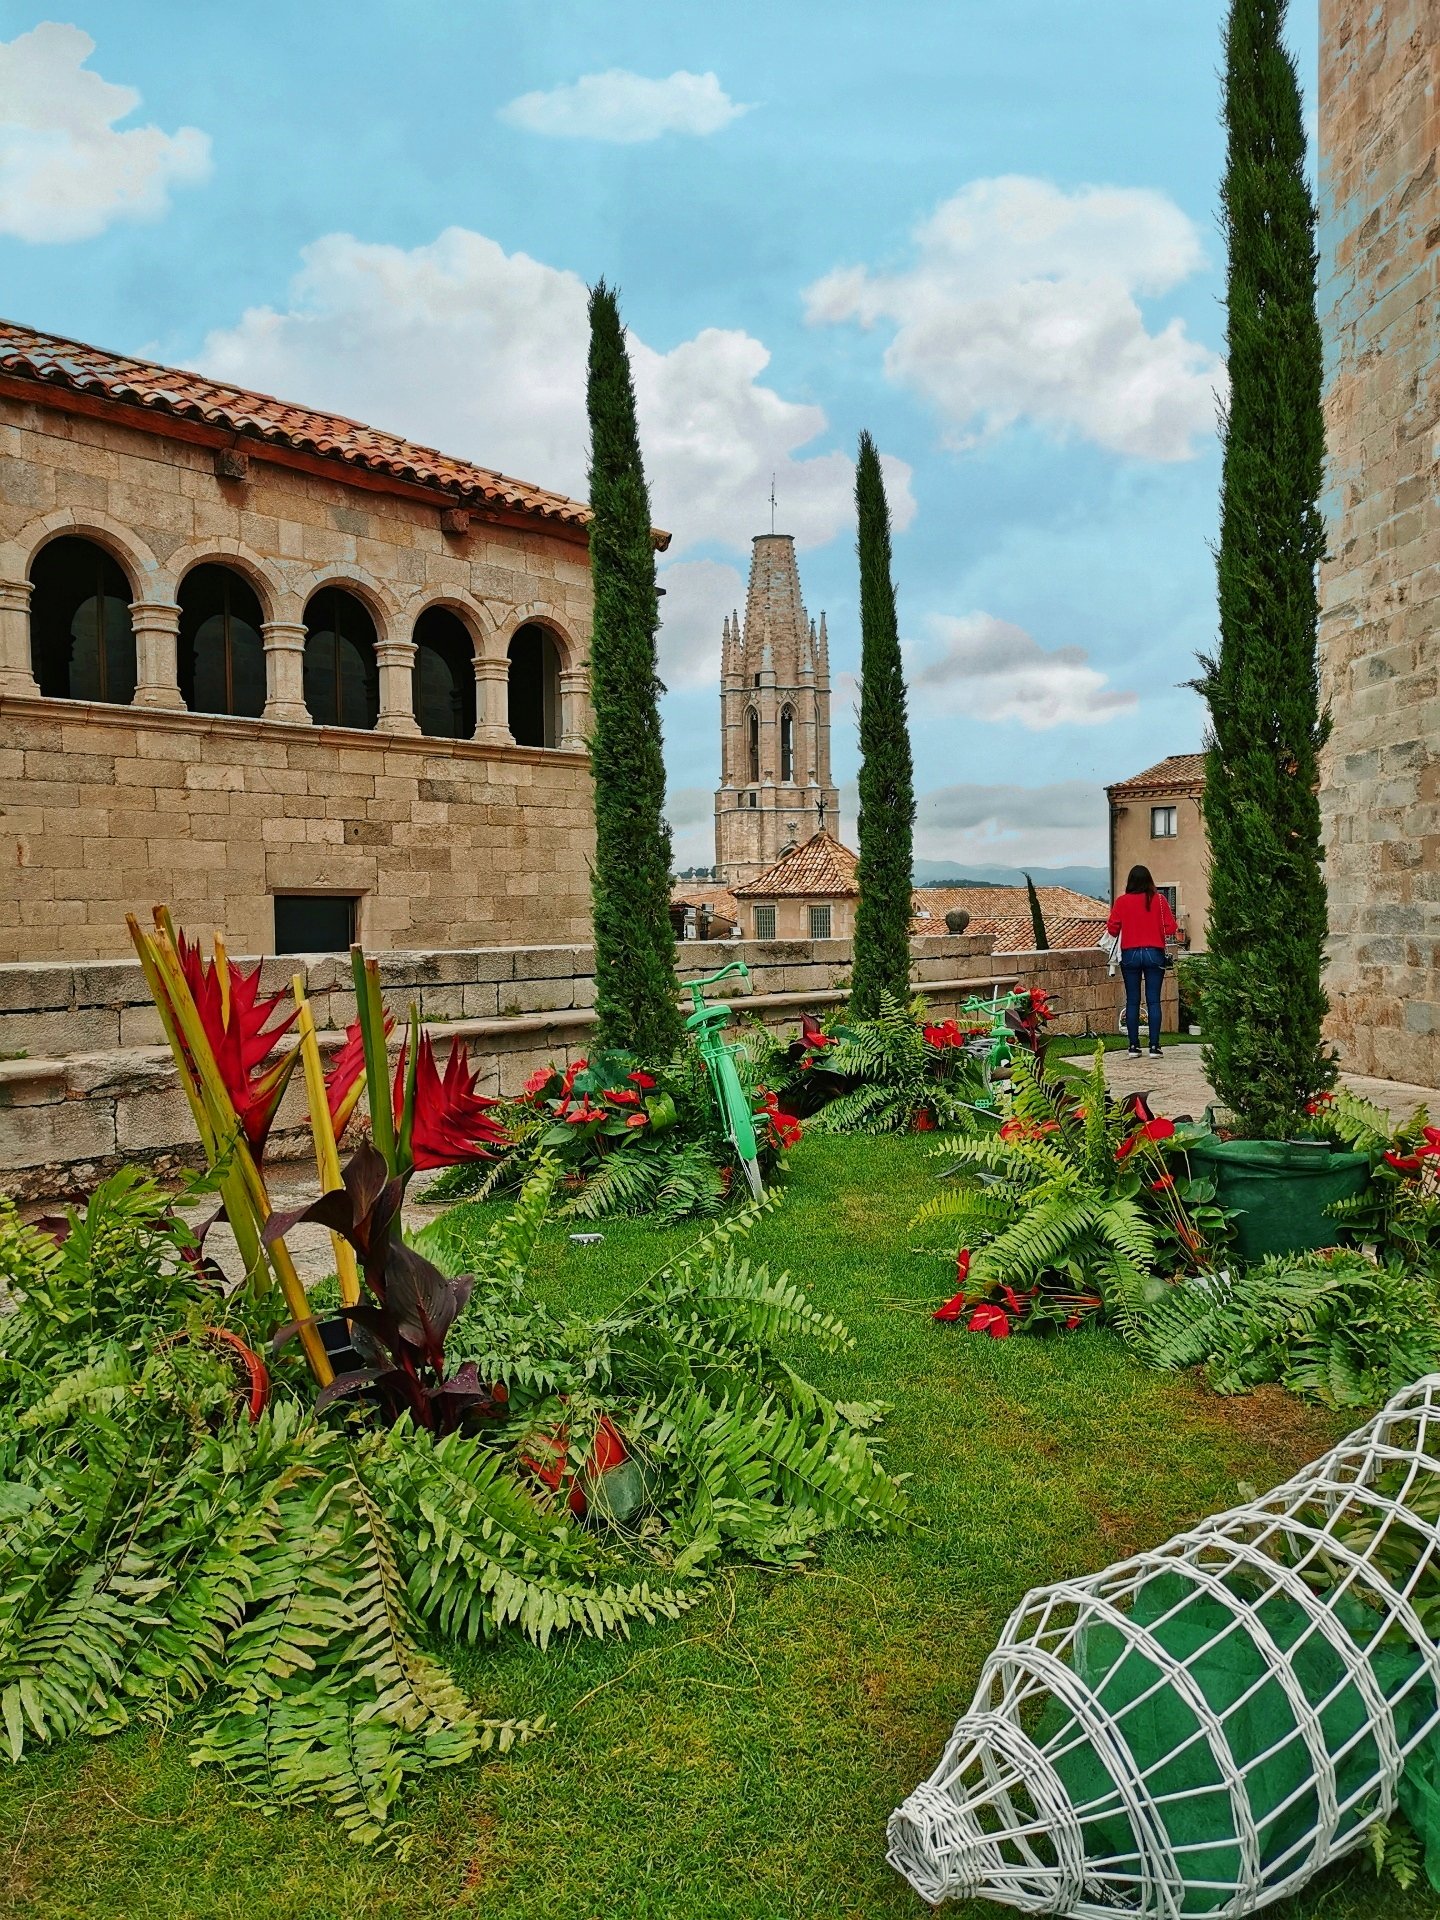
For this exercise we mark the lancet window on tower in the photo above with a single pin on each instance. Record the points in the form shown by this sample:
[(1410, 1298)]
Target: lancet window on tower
[(752, 746), (787, 745)]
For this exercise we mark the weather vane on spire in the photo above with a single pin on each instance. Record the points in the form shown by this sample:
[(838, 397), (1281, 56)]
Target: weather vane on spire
[(772, 503)]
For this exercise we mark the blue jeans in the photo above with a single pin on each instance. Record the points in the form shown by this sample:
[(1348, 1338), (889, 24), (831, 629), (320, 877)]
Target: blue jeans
[(1147, 964)]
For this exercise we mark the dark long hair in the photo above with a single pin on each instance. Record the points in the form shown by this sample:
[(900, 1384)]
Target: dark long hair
[(1139, 881)]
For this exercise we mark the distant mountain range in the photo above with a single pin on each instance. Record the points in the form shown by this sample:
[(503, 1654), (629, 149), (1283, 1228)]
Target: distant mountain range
[(944, 873)]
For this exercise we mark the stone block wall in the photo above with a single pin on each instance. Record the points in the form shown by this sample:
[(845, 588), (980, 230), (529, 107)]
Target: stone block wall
[(109, 808), (1380, 586), (86, 1082)]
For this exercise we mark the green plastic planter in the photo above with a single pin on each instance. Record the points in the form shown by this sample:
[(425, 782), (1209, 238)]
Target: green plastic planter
[(1280, 1190)]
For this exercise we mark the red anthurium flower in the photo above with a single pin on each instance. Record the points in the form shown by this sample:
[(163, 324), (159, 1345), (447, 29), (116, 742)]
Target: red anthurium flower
[(538, 1082), (452, 1123), (1403, 1163), (787, 1127), (990, 1319), (1163, 1184), (1153, 1130), (234, 1017), (638, 1120), (623, 1096), (946, 1034), (962, 1266), (924, 1121), (812, 1033), (1014, 1302), (567, 1083), (952, 1309), (1072, 1321), (644, 1081)]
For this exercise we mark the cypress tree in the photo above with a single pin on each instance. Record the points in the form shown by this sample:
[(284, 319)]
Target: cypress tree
[(1264, 999), (1037, 918), (635, 993), (887, 788)]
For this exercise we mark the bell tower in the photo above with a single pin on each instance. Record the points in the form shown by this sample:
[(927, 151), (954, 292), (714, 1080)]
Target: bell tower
[(775, 788)]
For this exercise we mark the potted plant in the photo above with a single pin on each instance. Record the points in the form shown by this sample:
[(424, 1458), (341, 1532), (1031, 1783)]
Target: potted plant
[(1264, 999)]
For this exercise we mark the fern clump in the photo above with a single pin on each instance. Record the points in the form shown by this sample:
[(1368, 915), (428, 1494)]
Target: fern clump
[(629, 1142), (895, 1073), (1071, 1208), (284, 1579), (1334, 1326)]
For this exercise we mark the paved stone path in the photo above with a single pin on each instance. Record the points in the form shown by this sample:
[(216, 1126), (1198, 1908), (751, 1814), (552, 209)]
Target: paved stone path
[(1176, 1083)]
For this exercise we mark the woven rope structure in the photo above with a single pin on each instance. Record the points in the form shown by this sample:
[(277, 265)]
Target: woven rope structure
[(1199, 1729)]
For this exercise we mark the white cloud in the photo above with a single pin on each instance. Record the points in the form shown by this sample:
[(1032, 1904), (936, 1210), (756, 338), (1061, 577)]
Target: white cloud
[(66, 171), (626, 108), (1062, 824), (1021, 304), (699, 595), (463, 346), (991, 669)]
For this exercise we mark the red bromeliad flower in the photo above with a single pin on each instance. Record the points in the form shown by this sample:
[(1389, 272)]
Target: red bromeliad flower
[(452, 1123), (1153, 1130), (990, 1319), (345, 1081), (233, 1016)]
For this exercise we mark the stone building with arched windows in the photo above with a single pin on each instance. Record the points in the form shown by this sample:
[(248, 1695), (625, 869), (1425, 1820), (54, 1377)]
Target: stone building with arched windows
[(297, 677)]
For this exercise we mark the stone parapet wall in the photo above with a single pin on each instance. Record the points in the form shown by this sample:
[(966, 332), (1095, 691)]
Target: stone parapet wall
[(1380, 584), (106, 807), (86, 1083)]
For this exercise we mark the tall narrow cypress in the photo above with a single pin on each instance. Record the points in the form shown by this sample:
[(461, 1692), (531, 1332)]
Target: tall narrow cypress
[(887, 787), (1037, 918), (635, 994), (1264, 1001)]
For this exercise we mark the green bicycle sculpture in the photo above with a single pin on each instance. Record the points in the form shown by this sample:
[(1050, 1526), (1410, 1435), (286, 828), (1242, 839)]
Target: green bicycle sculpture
[(708, 1023), (999, 1016)]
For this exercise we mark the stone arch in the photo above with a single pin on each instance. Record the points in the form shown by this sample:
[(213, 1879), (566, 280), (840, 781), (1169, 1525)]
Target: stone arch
[(537, 613), (146, 576), (270, 588), (379, 602), (470, 613)]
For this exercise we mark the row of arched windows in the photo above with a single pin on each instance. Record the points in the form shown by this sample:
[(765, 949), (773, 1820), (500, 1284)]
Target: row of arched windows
[(82, 647), (787, 745)]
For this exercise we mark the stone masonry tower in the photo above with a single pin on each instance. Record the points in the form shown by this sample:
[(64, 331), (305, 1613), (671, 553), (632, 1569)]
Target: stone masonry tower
[(775, 788)]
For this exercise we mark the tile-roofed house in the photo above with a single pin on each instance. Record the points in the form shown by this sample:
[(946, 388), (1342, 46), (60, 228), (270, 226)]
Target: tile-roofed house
[(301, 678), (809, 893), (260, 422), (1157, 821), (704, 910)]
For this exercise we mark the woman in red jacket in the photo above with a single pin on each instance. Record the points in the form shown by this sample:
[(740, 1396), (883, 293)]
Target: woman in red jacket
[(1143, 920)]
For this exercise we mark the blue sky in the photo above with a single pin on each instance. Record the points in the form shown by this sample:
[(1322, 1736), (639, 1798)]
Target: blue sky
[(986, 233)]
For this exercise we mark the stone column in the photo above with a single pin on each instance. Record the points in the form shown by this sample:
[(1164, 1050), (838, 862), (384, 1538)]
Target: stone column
[(156, 626), (285, 673), (396, 662), (15, 671), (574, 708), (492, 703)]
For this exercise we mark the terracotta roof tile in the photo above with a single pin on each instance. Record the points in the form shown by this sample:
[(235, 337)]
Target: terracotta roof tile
[(50, 360), (821, 867), (1181, 773), (1016, 934)]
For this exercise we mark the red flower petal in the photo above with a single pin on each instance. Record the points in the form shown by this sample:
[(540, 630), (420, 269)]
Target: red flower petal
[(952, 1309)]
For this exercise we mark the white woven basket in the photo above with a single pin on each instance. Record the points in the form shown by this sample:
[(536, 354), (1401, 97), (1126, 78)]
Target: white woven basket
[(1053, 1796)]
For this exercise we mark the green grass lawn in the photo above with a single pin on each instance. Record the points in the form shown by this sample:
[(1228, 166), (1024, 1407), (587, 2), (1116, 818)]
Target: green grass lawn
[(740, 1762)]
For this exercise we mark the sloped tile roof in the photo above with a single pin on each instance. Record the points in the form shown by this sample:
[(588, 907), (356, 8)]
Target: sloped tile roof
[(821, 867), (1181, 773), (1016, 933), (52, 361), (716, 899), (996, 903)]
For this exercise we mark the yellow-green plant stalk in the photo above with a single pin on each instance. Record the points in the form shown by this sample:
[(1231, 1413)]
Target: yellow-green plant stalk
[(327, 1151)]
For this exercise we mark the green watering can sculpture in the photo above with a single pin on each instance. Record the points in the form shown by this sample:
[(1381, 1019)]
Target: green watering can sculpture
[(708, 1023)]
